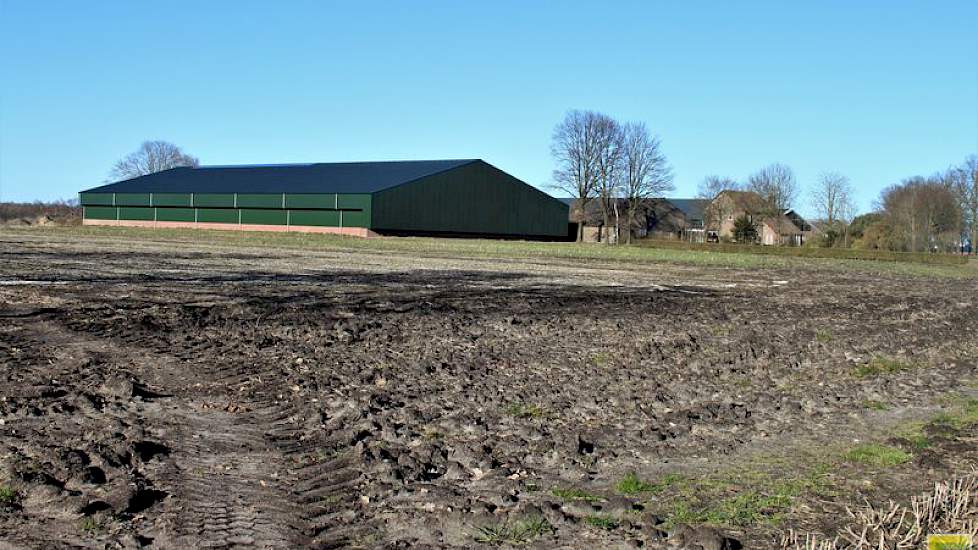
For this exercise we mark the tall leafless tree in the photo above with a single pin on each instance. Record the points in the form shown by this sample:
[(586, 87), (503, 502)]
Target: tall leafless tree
[(711, 186), (151, 157), (846, 213), (776, 184), (965, 182), (644, 173), (610, 152), (830, 196), (575, 146)]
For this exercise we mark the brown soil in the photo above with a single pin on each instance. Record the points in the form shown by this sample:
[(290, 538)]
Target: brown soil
[(184, 396)]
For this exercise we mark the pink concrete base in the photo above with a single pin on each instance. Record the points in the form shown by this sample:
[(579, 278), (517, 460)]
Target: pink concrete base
[(350, 231)]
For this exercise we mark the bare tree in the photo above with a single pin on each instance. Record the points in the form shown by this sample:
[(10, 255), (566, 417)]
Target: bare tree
[(831, 199), (610, 151), (832, 192), (644, 173), (711, 186), (965, 185), (575, 146), (709, 189), (151, 157), (846, 213), (776, 184)]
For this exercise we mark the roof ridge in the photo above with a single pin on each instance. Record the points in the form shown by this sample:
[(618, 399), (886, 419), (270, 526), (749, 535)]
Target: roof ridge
[(288, 164)]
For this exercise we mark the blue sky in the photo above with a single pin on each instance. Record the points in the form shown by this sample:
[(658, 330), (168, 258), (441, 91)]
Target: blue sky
[(875, 90)]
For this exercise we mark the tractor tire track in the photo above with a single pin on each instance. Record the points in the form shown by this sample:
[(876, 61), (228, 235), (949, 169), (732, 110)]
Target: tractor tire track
[(241, 475)]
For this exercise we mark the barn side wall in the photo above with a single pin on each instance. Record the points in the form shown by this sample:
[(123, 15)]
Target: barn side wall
[(278, 209), (477, 199)]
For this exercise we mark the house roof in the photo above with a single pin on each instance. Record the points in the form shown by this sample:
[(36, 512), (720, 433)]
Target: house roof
[(323, 177), (748, 201), (798, 220), (692, 208)]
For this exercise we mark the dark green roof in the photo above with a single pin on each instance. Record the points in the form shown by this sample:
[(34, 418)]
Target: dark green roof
[(331, 177)]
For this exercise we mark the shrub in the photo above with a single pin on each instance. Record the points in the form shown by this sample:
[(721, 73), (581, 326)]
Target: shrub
[(744, 230), (64, 212)]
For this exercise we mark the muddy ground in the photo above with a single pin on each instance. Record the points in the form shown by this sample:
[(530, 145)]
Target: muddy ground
[(173, 395)]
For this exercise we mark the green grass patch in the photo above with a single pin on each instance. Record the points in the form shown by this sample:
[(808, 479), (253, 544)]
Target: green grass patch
[(919, 442), (746, 508), (524, 410), (880, 366), (912, 435), (602, 521), (823, 336), (874, 405), (749, 508), (91, 525), (631, 484), (875, 454), (572, 494), (746, 498), (963, 414), (8, 495), (516, 533)]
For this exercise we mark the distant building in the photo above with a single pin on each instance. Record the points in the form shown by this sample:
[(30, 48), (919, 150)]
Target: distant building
[(683, 219), (773, 228), (657, 218), (692, 220)]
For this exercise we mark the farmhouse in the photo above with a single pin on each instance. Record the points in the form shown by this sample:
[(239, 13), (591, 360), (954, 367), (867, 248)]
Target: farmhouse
[(773, 227), (437, 197)]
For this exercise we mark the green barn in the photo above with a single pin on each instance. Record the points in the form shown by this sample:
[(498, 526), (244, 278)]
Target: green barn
[(436, 197)]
